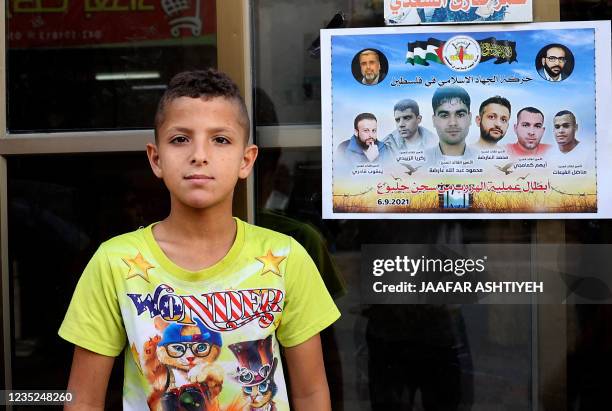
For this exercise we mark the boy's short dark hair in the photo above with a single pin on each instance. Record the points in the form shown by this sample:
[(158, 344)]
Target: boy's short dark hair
[(448, 93), (205, 84)]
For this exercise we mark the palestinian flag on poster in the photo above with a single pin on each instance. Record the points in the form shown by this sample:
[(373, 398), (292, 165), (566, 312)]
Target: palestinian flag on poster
[(421, 52)]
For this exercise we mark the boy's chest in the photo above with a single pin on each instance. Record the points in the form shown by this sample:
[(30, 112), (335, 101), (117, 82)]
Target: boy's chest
[(250, 292)]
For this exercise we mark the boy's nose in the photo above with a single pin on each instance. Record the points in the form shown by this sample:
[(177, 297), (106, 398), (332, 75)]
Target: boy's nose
[(199, 156)]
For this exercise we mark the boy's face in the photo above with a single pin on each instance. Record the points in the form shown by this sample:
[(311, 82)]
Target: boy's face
[(201, 152)]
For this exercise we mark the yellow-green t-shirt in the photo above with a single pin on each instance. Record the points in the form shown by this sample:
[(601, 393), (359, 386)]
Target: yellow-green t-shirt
[(215, 332)]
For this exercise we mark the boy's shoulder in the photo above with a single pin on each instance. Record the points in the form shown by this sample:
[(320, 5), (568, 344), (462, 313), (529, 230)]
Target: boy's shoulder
[(126, 241), (261, 234)]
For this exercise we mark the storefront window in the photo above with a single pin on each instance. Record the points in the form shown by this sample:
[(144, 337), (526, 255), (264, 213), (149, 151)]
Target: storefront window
[(61, 207), (574, 10), (287, 69), (81, 67), (100, 65), (379, 356), (73, 69), (449, 357)]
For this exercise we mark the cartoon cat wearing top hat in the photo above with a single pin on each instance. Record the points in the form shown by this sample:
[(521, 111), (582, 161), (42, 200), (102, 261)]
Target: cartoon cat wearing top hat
[(255, 373)]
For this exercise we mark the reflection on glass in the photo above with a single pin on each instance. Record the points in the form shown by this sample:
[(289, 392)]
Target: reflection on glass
[(100, 65), (60, 208), (575, 10), (403, 356), (285, 65)]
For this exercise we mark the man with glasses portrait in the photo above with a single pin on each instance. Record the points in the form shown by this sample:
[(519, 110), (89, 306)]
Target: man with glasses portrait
[(553, 62)]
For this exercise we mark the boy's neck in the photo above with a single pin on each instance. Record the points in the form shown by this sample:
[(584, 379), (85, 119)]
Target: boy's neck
[(184, 235), (199, 225)]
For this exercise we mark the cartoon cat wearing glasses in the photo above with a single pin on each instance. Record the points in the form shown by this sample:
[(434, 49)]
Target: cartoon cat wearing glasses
[(181, 367), (255, 373)]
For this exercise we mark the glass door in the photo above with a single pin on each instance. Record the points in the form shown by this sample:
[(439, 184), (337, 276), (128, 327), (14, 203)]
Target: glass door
[(82, 85), (420, 357)]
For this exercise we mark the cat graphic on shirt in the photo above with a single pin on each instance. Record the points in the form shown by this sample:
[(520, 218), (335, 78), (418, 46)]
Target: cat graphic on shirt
[(255, 373), (180, 366)]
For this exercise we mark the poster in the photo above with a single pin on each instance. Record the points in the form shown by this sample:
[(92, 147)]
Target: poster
[(490, 121), (412, 12)]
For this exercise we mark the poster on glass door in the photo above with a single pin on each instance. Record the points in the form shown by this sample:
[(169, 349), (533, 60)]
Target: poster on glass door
[(487, 121), (412, 12)]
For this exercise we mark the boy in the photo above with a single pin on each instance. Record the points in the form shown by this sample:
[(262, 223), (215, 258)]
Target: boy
[(200, 301)]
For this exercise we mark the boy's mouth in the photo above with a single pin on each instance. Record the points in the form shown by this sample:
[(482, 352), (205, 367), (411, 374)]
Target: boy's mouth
[(198, 177)]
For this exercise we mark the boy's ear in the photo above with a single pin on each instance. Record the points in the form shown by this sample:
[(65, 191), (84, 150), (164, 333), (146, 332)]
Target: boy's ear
[(248, 159), (153, 155)]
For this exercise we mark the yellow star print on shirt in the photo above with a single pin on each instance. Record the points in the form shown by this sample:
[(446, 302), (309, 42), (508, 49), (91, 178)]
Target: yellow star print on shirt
[(139, 267), (271, 263)]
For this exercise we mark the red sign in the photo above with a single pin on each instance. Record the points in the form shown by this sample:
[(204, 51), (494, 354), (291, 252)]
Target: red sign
[(62, 23)]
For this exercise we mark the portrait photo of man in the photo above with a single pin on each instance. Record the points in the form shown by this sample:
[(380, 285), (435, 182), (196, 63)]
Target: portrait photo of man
[(363, 146), (555, 62), (408, 134), (493, 119), (564, 129), (529, 129), (451, 119), (369, 67)]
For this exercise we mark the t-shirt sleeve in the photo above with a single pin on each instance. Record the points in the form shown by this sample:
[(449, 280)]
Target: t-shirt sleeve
[(93, 320), (308, 306)]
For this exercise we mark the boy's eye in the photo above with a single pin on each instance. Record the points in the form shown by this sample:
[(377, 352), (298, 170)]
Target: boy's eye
[(179, 139), (221, 140)]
